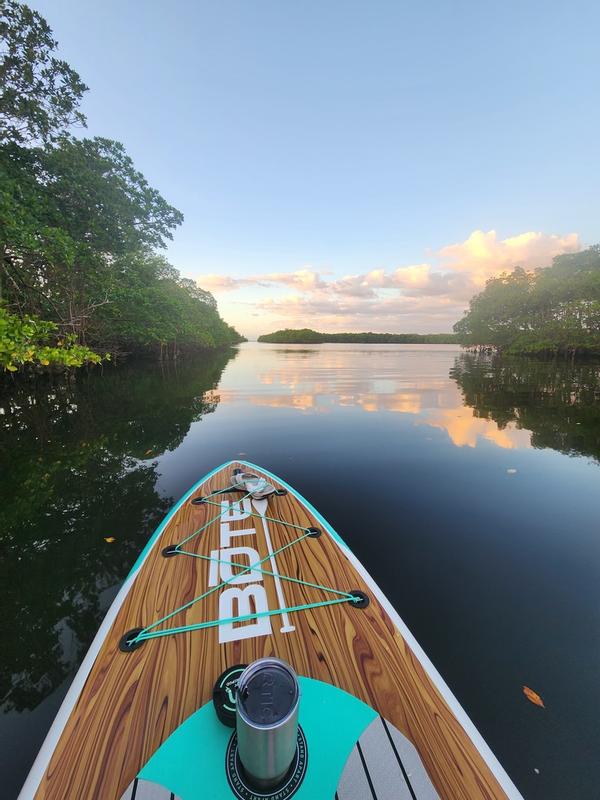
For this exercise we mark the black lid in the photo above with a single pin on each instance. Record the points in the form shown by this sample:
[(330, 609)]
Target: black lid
[(268, 694), (224, 694)]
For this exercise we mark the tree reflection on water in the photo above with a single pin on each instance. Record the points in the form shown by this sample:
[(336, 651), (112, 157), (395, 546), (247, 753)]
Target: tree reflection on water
[(76, 468), (557, 401)]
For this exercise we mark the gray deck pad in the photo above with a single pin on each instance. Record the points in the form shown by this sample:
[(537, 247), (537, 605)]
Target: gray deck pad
[(146, 790), (384, 765)]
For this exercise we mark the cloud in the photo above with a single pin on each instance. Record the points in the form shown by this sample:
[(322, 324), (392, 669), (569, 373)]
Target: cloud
[(378, 314), (483, 255), (423, 297), (411, 277), (221, 283), (416, 275), (305, 279), (302, 279)]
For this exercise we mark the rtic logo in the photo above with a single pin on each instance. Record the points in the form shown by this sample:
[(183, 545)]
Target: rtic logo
[(235, 601)]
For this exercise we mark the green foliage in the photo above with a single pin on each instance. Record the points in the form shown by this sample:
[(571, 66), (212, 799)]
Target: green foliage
[(308, 336), (98, 196), (28, 340), (70, 212), (152, 307), (79, 224), (39, 93), (551, 310)]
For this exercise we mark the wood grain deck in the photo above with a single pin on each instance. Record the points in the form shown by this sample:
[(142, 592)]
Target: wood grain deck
[(132, 702)]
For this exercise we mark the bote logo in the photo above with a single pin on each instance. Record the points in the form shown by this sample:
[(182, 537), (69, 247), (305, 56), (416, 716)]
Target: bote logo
[(252, 598)]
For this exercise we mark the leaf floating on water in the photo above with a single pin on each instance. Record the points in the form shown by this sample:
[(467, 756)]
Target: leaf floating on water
[(533, 697), (148, 452), (109, 539), (511, 471)]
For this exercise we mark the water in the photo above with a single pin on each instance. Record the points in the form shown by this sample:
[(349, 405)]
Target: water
[(489, 549)]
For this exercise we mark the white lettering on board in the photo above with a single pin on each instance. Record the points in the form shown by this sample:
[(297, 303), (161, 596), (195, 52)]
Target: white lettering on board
[(236, 603), (230, 512), (238, 555), (227, 534)]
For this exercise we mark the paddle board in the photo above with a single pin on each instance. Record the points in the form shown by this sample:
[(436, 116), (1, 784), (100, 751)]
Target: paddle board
[(226, 579)]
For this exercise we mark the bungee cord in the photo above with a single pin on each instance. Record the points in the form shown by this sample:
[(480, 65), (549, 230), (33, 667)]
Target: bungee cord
[(138, 636)]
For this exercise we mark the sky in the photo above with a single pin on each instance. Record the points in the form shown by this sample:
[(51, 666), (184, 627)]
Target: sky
[(350, 165)]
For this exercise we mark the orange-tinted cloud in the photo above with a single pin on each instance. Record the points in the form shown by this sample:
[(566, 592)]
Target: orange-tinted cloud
[(415, 298), (482, 255), (303, 279)]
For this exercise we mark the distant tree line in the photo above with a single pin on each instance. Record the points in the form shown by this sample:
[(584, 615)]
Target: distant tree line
[(80, 276), (554, 310), (308, 336)]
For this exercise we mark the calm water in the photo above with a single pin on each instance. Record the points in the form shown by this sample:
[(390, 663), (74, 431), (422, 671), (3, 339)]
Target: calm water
[(490, 549)]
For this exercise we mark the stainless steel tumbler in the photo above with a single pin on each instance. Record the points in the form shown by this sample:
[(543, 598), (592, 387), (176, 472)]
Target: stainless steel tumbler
[(267, 720)]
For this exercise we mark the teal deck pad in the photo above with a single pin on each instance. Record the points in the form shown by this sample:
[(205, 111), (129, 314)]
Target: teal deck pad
[(191, 762)]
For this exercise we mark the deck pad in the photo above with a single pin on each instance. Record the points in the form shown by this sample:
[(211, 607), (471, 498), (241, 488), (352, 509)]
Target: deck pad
[(292, 588)]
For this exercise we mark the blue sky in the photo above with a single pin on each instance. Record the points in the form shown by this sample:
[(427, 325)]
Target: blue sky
[(319, 149)]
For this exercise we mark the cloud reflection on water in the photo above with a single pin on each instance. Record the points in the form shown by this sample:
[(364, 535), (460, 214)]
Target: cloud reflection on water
[(375, 380)]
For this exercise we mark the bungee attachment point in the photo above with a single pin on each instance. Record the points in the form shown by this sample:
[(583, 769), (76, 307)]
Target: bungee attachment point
[(314, 533), (130, 642), (200, 499), (359, 599), (171, 550), (224, 694)]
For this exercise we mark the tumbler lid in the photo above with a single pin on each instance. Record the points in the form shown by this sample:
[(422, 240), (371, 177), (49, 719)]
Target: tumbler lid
[(267, 692)]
